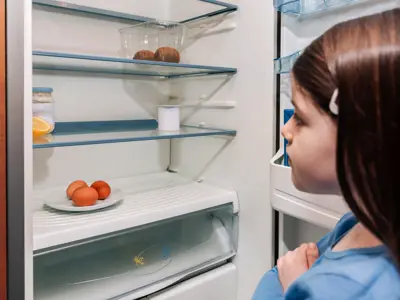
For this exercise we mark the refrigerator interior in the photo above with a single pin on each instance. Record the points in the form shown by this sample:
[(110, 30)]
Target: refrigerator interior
[(166, 178)]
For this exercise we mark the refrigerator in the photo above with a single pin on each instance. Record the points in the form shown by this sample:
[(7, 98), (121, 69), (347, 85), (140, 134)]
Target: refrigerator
[(199, 210)]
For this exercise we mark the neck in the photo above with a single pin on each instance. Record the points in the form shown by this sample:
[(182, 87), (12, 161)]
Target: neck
[(365, 237), (358, 237)]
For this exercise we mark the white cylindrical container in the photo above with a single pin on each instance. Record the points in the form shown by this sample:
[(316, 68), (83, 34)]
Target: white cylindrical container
[(168, 118)]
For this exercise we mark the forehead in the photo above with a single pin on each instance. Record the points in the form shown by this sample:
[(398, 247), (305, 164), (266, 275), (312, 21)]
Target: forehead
[(300, 99)]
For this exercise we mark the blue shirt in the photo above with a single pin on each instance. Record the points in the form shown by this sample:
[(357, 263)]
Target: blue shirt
[(354, 274)]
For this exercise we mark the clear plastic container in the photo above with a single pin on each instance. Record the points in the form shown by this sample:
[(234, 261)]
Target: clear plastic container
[(300, 7), (153, 40)]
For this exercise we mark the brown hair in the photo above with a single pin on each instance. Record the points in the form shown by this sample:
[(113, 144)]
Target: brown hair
[(361, 58)]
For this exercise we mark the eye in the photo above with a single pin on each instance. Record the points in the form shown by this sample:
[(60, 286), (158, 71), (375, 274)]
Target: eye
[(297, 119)]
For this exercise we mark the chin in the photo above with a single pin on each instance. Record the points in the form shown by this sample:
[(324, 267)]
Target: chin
[(299, 185), (314, 186)]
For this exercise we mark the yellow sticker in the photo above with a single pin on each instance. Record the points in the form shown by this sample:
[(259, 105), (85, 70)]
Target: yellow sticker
[(139, 260)]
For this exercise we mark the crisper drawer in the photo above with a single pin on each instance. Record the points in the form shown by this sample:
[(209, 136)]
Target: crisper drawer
[(135, 263)]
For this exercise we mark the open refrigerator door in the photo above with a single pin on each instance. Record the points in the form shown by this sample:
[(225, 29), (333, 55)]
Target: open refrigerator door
[(305, 217)]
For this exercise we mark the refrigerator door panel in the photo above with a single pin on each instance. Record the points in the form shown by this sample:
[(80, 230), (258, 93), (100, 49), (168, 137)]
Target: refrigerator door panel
[(296, 34)]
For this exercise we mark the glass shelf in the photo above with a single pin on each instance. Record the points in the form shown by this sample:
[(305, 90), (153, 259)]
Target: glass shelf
[(283, 65), (53, 61), (211, 7), (302, 7), (105, 132)]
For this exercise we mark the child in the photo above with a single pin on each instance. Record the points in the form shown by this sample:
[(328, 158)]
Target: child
[(344, 138)]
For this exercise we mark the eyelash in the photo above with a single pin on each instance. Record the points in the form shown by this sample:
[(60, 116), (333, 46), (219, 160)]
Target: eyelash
[(297, 120)]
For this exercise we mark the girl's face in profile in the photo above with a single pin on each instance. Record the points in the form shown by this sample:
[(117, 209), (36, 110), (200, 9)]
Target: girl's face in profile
[(311, 135)]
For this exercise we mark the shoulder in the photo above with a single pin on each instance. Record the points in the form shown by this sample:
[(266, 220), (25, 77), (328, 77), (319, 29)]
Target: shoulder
[(367, 278), (326, 286)]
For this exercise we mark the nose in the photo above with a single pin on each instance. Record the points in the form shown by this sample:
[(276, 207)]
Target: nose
[(286, 133)]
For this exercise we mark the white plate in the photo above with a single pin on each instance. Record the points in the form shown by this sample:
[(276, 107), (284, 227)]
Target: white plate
[(58, 200)]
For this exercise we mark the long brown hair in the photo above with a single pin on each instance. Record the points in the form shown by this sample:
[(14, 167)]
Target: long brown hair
[(361, 59)]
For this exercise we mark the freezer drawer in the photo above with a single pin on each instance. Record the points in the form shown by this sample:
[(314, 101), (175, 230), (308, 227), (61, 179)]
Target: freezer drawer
[(137, 262), (218, 284)]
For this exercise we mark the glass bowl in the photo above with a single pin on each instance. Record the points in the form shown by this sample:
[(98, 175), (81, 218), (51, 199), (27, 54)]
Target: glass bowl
[(153, 40)]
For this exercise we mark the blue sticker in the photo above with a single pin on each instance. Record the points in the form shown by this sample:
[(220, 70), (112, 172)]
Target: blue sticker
[(166, 252)]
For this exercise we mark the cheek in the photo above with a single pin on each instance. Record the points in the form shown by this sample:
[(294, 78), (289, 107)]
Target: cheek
[(313, 162)]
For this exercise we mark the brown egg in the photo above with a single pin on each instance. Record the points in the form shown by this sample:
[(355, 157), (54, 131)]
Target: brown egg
[(144, 55), (73, 186), (167, 54), (85, 196), (102, 188)]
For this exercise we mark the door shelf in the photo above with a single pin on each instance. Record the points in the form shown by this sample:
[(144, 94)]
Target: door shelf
[(302, 7), (147, 199), (68, 134), (322, 210), (212, 7), (283, 65), (55, 61)]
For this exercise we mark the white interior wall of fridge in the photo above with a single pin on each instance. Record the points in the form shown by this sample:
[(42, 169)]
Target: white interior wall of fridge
[(80, 97), (244, 40), (297, 33)]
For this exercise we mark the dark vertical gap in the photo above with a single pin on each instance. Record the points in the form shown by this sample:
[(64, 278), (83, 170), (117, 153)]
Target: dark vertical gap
[(277, 126)]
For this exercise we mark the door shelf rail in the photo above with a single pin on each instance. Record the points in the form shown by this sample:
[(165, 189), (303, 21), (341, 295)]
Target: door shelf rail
[(283, 65), (303, 7)]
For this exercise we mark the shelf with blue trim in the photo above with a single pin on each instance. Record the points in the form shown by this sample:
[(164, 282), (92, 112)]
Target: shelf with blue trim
[(53, 61), (303, 7), (211, 7), (68, 134), (283, 65)]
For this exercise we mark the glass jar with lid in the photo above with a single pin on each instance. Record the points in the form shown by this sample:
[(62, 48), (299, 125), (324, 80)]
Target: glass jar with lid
[(42, 95)]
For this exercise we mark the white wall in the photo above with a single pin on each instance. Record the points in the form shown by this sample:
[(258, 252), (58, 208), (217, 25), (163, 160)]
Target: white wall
[(241, 164)]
